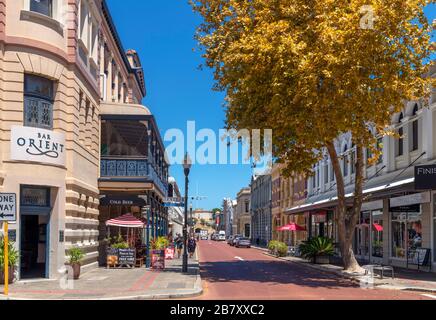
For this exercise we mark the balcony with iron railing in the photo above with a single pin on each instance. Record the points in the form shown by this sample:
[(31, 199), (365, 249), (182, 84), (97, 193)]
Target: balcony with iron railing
[(131, 169)]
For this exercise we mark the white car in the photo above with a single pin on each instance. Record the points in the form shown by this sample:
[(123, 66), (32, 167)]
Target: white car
[(222, 236)]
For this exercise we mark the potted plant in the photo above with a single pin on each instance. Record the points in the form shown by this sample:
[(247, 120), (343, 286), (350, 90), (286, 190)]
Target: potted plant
[(12, 261), (317, 250), (158, 247), (76, 256)]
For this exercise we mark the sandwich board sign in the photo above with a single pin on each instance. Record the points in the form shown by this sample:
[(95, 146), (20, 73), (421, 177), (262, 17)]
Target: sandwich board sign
[(8, 207)]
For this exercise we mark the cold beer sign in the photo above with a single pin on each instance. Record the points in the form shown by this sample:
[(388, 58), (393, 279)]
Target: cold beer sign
[(8, 207), (425, 177)]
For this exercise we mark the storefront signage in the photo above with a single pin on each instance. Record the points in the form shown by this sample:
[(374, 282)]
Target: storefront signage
[(425, 177), (371, 206), (416, 198), (122, 200), (406, 209), (8, 207), (37, 145)]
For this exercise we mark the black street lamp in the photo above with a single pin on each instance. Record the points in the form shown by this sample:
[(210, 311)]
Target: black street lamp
[(187, 168)]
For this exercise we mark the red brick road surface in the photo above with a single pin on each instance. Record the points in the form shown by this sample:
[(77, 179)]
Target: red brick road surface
[(248, 274)]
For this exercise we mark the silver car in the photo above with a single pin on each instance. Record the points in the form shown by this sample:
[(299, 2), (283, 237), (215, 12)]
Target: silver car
[(243, 242)]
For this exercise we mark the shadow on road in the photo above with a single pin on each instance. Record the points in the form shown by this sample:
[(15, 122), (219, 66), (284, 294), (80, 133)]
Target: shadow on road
[(272, 272)]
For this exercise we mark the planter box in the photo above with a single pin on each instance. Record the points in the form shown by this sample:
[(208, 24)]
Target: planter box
[(11, 276), (321, 260)]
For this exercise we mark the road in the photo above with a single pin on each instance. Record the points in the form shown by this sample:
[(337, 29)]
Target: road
[(230, 273)]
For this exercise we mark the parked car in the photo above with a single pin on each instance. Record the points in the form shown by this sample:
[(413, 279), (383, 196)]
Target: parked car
[(235, 239), (214, 237), (230, 240), (204, 235), (243, 242), (222, 236)]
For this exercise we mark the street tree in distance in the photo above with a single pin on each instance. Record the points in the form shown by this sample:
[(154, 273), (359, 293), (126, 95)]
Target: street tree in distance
[(312, 70)]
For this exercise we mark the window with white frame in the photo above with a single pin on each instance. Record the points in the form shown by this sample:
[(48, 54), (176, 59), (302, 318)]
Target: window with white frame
[(44, 7)]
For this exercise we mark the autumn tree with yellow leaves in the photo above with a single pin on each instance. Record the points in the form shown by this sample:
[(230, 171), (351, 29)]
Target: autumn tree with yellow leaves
[(311, 70)]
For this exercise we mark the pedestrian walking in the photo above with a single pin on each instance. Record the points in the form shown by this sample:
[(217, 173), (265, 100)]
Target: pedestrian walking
[(192, 244), (179, 246)]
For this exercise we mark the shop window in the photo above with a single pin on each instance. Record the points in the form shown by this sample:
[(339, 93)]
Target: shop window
[(406, 233), (44, 7), (377, 234), (38, 102)]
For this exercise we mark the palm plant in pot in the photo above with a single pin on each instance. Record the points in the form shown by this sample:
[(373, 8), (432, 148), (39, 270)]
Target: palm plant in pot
[(317, 250), (76, 256), (12, 261)]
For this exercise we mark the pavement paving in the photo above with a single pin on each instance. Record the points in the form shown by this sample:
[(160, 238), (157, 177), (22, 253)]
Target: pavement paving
[(410, 280), (115, 284), (249, 274)]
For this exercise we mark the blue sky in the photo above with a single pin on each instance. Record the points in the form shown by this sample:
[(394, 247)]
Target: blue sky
[(177, 91), (162, 32)]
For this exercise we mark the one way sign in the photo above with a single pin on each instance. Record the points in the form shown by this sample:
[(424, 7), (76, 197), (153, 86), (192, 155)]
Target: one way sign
[(8, 207)]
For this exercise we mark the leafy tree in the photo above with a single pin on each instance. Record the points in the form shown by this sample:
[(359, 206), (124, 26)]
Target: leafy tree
[(312, 70)]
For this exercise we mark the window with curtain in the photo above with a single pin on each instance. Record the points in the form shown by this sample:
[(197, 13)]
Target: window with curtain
[(38, 102), (44, 7)]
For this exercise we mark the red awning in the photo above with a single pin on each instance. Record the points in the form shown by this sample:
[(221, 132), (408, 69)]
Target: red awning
[(292, 227), (125, 221), (378, 227)]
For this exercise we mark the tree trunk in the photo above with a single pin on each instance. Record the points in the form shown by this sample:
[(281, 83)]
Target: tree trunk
[(347, 221)]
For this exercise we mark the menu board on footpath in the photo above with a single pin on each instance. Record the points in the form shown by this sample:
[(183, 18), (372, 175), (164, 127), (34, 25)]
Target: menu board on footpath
[(127, 256), (157, 261)]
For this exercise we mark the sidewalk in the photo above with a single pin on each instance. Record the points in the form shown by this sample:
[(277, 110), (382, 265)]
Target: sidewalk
[(116, 284), (404, 279)]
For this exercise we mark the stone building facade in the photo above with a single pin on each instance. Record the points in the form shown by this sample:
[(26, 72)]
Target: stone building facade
[(261, 217), (242, 215), (63, 76)]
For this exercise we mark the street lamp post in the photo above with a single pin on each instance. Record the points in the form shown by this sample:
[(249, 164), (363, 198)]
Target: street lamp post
[(186, 168)]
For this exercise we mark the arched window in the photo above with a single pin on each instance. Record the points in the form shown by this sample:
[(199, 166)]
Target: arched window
[(400, 148), (345, 161), (415, 130)]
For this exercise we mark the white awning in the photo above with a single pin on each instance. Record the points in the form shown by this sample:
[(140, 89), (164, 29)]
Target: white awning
[(333, 200)]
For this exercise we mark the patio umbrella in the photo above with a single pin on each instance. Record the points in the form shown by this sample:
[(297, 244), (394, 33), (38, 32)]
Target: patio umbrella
[(378, 227), (292, 227), (125, 221)]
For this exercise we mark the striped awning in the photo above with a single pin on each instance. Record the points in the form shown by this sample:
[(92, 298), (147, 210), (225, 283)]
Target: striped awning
[(125, 221)]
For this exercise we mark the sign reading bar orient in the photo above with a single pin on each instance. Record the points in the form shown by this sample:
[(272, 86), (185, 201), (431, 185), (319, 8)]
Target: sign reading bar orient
[(37, 145), (425, 177), (8, 207)]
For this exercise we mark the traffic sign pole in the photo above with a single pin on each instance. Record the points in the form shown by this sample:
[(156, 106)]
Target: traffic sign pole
[(6, 273)]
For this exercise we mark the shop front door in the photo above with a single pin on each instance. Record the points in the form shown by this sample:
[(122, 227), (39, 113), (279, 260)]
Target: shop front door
[(34, 225)]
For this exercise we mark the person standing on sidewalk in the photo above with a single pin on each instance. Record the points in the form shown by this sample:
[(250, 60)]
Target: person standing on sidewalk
[(192, 244), (179, 246)]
